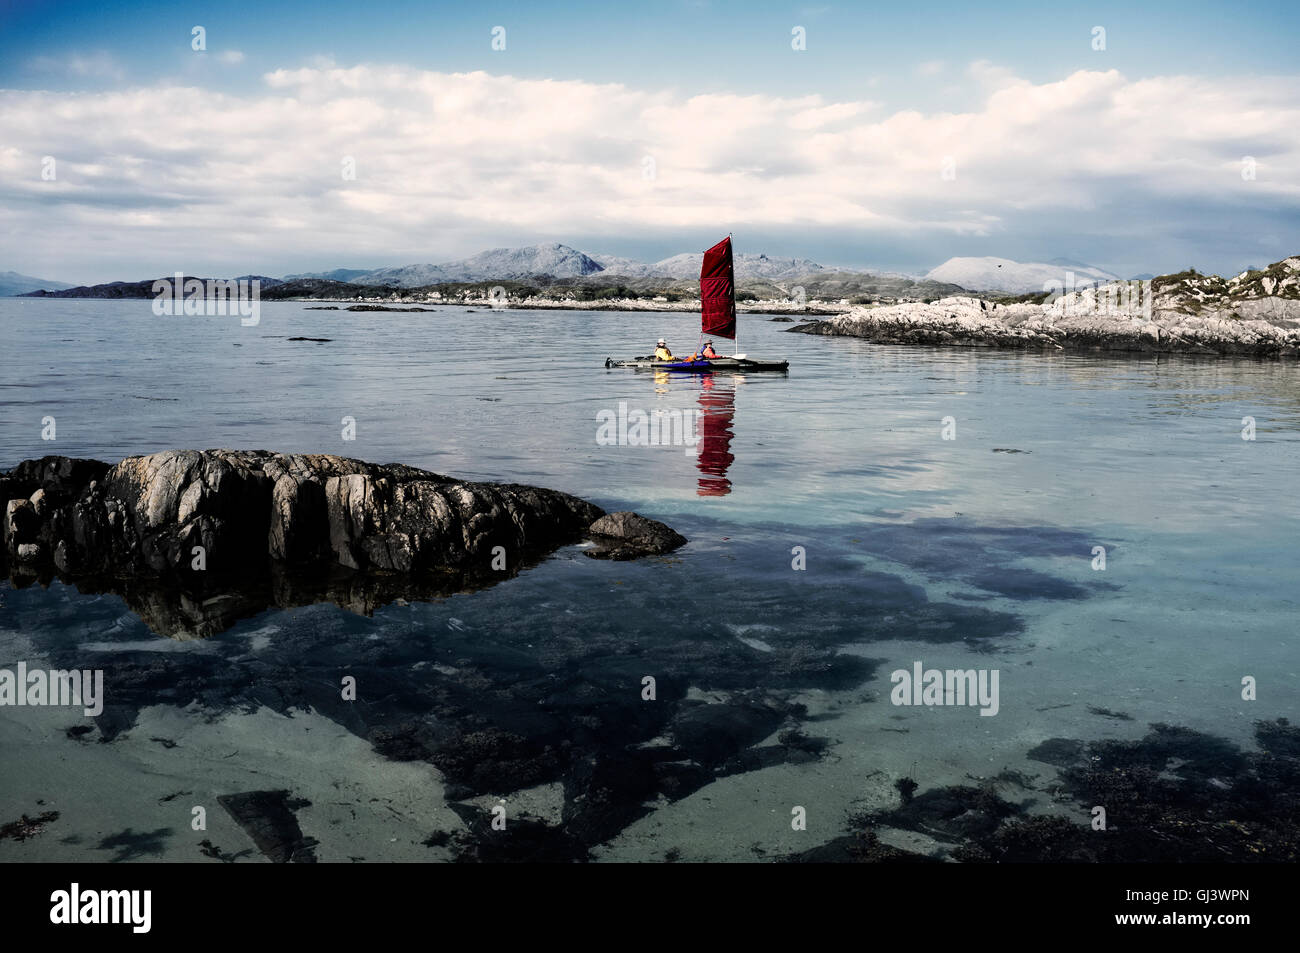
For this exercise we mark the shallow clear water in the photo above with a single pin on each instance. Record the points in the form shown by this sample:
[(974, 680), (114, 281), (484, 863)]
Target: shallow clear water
[(951, 552)]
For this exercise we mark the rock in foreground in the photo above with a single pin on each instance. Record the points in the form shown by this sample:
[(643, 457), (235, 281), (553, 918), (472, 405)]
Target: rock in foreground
[(629, 535), (299, 522)]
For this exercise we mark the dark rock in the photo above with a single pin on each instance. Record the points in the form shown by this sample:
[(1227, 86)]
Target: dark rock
[(491, 759), (525, 840), (1107, 713), (710, 734), (958, 813), (297, 524), (862, 848), (26, 827), (21, 523), (268, 818), (1042, 838), (1280, 738), (626, 535), (604, 795), (1057, 751), (382, 307), (1174, 796)]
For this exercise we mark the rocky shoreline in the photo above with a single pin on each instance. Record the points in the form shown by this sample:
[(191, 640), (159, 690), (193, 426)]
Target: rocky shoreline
[(1255, 314), (969, 322), (197, 539)]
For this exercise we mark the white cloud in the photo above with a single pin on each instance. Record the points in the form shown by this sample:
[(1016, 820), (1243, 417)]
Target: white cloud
[(98, 65), (991, 76), (448, 163), (929, 68), (231, 56)]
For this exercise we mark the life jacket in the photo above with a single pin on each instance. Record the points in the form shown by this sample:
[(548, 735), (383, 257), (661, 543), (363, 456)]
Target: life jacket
[(663, 354), (708, 352)]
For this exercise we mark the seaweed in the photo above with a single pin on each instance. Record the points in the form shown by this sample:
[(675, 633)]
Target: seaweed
[(1175, 796)]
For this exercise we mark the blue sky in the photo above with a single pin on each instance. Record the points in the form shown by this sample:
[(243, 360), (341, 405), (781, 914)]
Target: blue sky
[(897, 70), (699, 46)]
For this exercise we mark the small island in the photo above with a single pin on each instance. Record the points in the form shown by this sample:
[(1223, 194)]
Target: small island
[(195, 540), (1254, 314)]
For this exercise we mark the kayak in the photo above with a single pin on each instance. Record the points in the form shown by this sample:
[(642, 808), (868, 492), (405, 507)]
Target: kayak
[(715, 364), (717, 319)]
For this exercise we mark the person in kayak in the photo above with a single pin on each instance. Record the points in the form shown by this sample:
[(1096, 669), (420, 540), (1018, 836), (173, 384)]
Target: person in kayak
[(708, 351), (663, 354)]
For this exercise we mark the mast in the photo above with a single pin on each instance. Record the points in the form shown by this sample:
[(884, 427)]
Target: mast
[(736, 334)]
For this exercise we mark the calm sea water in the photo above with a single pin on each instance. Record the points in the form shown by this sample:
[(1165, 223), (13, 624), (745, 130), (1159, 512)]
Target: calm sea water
[(954, 552)]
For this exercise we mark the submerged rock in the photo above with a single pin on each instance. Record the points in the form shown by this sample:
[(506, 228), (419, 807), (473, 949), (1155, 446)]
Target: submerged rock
[(1174, 796), (710, 734), (270, 819), (26, 827)]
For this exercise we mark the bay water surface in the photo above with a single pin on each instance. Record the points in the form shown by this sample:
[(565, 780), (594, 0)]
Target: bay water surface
[(836, 536)]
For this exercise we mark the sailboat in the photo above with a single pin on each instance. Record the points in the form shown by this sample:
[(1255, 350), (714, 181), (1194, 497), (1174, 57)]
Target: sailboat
[(717, 319)]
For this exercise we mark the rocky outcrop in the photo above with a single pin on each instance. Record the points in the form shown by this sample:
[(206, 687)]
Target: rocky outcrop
[(300, 526), (1255, 314), (630, 535)]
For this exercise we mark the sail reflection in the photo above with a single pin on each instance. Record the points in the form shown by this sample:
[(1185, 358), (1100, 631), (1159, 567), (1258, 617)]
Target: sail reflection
[(717, 408)]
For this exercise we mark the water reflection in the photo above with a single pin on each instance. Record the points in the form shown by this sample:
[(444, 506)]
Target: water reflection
[(200, 609), (713, 430), (717, 409)]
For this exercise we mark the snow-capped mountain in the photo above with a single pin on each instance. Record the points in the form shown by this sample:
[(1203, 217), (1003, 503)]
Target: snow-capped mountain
[(561, 261), (747, 266), (1015, 277), (624, 267), (554, 259), (338, 274)]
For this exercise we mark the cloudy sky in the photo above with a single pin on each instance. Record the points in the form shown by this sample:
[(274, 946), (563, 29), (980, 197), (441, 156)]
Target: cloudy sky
[(309, 136)]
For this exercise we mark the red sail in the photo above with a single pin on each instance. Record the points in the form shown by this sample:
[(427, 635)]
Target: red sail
[(718, 292)]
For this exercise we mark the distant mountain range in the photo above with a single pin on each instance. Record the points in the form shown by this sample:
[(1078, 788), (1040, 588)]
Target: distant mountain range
[(338, 274), (687, 267), (555, 262), (12, 283), (132, 289), (560, 261)]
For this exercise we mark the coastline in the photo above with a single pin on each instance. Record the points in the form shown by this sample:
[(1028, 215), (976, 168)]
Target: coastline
[(1068, 326), (409, 303)]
